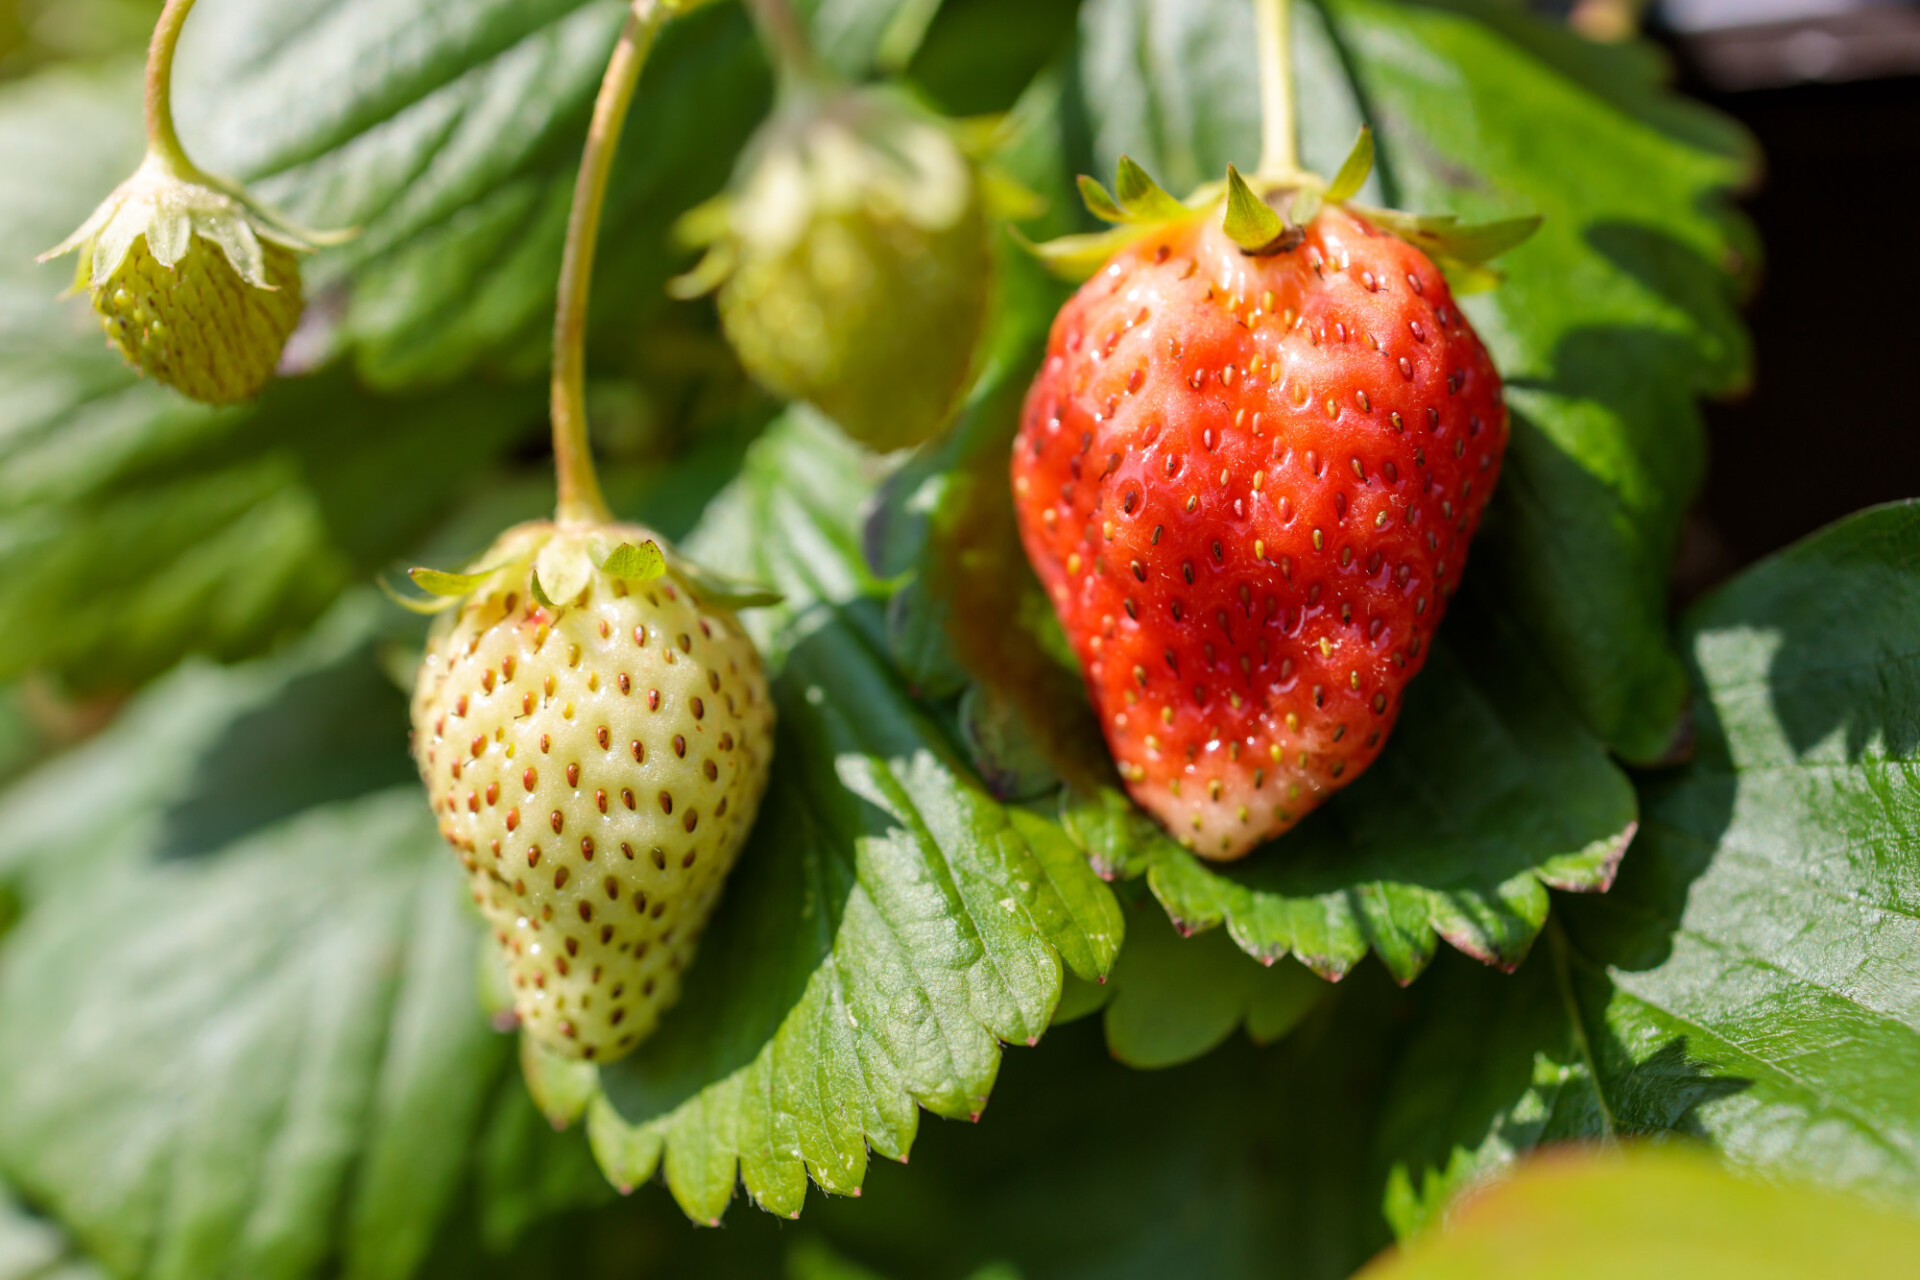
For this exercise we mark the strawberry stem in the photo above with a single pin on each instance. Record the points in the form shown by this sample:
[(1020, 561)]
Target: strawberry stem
[(1273, 38), (162, 141), (580, 500)]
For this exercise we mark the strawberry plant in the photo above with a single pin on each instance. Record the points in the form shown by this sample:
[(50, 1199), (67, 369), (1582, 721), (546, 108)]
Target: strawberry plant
[(1036, 728)]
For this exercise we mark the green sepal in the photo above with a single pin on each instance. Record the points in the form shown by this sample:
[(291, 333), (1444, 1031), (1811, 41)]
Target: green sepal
[(413, 604), (540, 592), (1140, 200), (1144, 199), (641, 563), (1460, 252), (1307, 202), (723, 592), (1443, 235), (704, 224), (708, 274), (560, 1087), (439, 582), (1077, 257), (1099, 203), (1354, 169), (1250, 222)]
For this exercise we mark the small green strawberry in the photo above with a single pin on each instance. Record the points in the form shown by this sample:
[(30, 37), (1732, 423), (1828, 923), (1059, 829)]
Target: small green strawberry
[(594, 730), (196, 286), (853, 262)]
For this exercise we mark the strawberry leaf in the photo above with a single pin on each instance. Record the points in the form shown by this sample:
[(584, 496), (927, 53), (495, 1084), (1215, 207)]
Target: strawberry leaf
[(279, 1068), (889, 923), (1172, 999), (1751, 980), (136, 528), (456, 162)]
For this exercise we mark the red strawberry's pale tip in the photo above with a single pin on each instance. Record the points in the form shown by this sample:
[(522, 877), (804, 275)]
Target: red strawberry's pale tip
[(1248, 484)]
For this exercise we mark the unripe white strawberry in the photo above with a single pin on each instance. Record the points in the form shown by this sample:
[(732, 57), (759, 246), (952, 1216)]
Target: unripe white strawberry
[(594, 730)]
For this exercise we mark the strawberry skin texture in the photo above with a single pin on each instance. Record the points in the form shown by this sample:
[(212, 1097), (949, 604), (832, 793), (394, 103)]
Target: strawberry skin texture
[(597, 765), (1248, 484)]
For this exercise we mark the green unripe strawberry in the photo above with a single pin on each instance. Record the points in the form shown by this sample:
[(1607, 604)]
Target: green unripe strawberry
[(854, 252), (197, 326), (594, 730), (196, 286)]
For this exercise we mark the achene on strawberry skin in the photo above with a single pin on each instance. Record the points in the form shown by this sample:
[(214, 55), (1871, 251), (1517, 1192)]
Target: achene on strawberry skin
[(1248, 481)]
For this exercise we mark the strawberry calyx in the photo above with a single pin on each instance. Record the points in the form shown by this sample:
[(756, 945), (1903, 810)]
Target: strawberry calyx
[(559, 560), (169, 205), (1251, 214)]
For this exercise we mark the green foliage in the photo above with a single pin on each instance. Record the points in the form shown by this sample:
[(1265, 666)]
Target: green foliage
[(890, 922), (456, 161), (239, 1027), (1172, 999), (1753, 979), (240, 1035)]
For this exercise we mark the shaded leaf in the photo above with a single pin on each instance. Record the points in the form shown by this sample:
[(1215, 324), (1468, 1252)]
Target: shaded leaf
[(889, 922), (1754, 977), (280, 1067), (1173, 999), (136, 528), (456, 161)]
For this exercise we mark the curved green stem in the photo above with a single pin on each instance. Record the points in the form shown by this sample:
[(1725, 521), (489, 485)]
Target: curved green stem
[(162, 141), (580, 497), (1273, 37)]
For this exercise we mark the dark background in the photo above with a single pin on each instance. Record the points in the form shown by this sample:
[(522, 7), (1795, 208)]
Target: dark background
[(1832, 421)]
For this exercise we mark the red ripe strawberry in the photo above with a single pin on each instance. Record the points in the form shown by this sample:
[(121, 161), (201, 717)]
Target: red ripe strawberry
[(1248, 481)]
